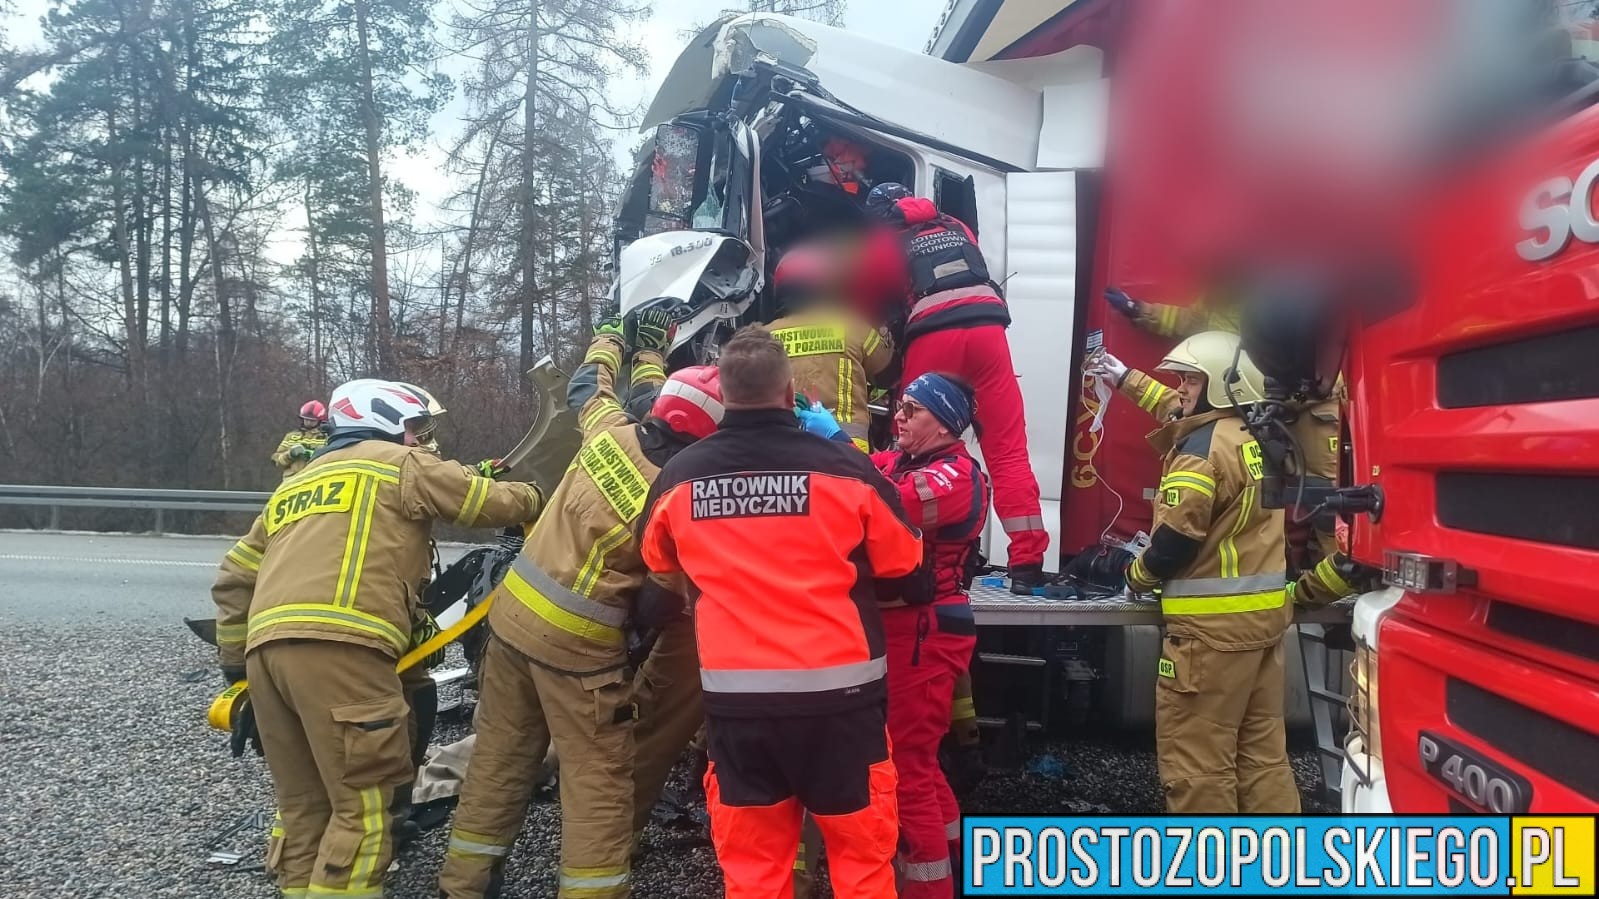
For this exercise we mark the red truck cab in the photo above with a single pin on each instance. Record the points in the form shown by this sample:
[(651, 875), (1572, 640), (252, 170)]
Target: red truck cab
[(1475, 408)]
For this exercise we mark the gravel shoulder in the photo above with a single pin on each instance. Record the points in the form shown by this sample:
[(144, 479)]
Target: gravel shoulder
[(116, 786)]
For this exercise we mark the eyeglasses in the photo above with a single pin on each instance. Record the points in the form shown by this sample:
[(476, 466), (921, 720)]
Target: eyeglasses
[(908, 409)]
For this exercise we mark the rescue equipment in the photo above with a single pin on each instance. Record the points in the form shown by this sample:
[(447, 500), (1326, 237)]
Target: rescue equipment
[(228, 702)]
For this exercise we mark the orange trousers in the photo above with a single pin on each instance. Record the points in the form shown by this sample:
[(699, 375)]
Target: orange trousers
[(765, 773)]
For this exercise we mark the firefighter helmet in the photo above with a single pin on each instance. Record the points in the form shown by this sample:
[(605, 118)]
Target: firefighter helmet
[(378, 405), (1213, 354), (425, 433), (314, 411), (690, 401)]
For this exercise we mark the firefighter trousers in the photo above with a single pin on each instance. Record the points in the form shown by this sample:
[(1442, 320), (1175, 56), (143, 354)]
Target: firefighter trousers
[(667, 691), (765, 773), (981, 357), (1220, 742), (924, 660), (522, 708), (333, 723)]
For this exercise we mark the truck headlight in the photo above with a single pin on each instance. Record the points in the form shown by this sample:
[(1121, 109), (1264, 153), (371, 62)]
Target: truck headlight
[(1365, 723), (1363, 720)]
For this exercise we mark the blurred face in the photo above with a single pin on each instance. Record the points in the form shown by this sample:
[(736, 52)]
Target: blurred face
[(307, 424), (919, 431), (1191, 390), (420, 432)]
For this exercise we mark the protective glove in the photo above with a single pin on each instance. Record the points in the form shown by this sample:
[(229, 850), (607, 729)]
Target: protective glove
[(493, 469), (639, 645), (611, 326), (244, 730), (1121, 302), (232, 674), (819, 421), (1107, 368), (423, 629), (651, 329), (301, 451)]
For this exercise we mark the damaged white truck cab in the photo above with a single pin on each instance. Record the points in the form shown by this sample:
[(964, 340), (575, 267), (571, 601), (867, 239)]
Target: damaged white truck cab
[(736, 173)]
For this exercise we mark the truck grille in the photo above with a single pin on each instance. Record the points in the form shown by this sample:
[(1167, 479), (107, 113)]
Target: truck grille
[(1552, 747), (1551, 509), (1546, 368), (1578, 638)]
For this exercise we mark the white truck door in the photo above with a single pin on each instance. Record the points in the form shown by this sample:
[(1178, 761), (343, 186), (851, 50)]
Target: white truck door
[(1040, 279)]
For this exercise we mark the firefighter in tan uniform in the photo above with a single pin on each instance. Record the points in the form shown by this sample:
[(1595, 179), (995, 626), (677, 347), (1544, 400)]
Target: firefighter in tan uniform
[(298, 446), (1316, 430), (318, 602), (836, 356), (557, 666), (1217, 558)]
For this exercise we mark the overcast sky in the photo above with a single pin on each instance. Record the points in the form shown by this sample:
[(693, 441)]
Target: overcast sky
[(903, 23)]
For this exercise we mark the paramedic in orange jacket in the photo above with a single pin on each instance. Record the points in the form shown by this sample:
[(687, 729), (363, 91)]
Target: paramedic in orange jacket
[(792, 656)]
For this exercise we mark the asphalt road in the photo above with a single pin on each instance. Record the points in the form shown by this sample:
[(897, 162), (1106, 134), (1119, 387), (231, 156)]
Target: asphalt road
[(114, 785)]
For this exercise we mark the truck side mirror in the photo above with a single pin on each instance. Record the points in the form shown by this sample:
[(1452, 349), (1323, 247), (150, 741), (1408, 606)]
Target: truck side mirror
[(675, 174)]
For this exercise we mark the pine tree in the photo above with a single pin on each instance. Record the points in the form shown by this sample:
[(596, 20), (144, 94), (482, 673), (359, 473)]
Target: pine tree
[(346, 91), (540, 114)]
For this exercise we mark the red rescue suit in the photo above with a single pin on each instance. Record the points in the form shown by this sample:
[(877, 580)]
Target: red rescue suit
[(929, 646), (955, 323)]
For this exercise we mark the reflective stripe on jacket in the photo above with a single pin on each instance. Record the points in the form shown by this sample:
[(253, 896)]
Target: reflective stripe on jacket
[(782, 532), (1233, 595), (569, 594), (836, 357), (315, 439), (1205, 313), (946, 494), (342, 548), (1150, 395)]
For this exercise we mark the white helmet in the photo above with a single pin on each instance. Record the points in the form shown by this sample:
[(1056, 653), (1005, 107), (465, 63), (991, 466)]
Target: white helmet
[(378, 405), (426, 434), (1212, 354)]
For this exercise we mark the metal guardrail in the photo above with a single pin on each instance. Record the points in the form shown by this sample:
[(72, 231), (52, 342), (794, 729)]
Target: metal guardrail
[(158, 501)]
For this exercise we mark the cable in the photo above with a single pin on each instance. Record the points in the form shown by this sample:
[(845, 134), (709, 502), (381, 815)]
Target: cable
[(1271, 414), (1121, 504)]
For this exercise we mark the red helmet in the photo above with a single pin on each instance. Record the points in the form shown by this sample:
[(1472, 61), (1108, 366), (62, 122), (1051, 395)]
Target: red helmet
[(314, 410), (804, 271), (691, 401)]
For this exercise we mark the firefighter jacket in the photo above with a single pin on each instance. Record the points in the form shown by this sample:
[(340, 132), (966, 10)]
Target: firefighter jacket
[(1204, 314), (570, 594), (836, 358), (604, 360), (946, 494), (341, 550), (783, 533), (1217, 555), (313, 439), (1151, 395)]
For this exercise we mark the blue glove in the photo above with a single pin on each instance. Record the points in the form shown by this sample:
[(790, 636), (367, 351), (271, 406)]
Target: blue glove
[(1121, 302), (819, 421)]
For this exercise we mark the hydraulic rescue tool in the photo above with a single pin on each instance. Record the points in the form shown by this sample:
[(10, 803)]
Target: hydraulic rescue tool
[(537, 457)]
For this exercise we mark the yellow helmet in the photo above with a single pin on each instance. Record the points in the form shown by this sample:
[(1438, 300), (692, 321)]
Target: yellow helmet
[(1212, 354)]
